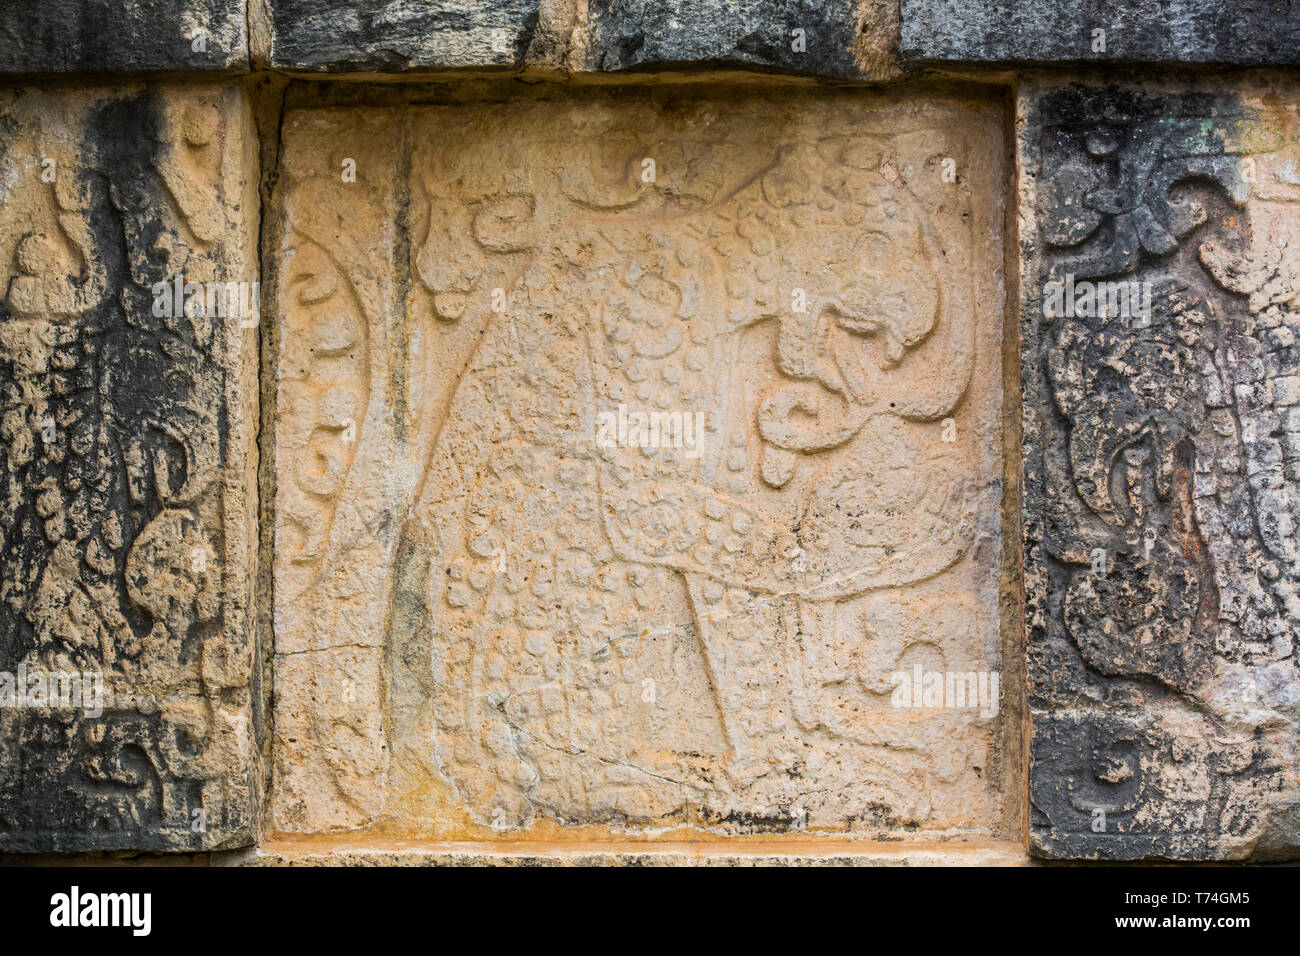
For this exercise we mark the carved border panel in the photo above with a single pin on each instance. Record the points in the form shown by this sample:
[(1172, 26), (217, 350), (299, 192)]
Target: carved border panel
[(128, 399), (1161, 455)]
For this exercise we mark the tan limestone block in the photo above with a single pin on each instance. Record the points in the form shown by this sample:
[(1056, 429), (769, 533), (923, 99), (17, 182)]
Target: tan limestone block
[(580, 625)]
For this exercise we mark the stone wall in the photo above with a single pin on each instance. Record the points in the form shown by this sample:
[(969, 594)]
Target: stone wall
[(570, 430)]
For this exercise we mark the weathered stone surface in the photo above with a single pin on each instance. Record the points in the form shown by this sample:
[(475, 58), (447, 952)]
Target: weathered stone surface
[(1162, 455), (496, 607), (1238, 32), (127, 482), (850, 40), (396, 36), (72, 36)]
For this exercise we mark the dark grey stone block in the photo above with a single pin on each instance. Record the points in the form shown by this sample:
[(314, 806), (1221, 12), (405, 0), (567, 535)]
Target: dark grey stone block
[(1239, 32), (807, 37), (69, 36), (1161, 470), (398, 36)]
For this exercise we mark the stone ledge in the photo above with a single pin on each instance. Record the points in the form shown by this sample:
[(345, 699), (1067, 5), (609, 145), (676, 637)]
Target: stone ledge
[(855, 40), (336, 851), (845, 41)]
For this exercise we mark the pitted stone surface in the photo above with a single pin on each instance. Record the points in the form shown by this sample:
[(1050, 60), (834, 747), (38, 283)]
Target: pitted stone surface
[(499, 604), (1234, 32), (127, 484), (76, 36), (1161, 465)]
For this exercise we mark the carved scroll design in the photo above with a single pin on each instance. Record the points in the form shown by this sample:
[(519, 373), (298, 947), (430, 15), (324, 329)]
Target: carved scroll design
[(339, 476), (1170, 554)]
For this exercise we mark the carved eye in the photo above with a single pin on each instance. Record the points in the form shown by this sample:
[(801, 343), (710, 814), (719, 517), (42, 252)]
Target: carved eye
[(503, 225)]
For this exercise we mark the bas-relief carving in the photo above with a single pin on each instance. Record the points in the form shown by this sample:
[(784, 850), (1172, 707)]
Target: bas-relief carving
[(339, 484), (682, 635), (126, 513), (1162, 677)]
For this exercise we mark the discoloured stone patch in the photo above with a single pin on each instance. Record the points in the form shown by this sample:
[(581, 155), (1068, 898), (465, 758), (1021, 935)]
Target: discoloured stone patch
[(1161, 468), (126, 510), (514, 612)]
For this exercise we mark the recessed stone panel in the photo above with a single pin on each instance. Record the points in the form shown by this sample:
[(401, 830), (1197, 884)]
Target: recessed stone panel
[(129, 707), (639, 466), (1161, 465)]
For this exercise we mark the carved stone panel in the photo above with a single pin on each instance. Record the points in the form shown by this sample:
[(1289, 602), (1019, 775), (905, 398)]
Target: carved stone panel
[(637, 456), (1162, 456), (128, 397)]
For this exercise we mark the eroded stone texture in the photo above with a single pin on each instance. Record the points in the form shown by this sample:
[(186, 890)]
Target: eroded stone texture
[(1162, 455), (855, 39), (852, 39), (127, 489), (73, 36), (396, 36), (1237, 32), (496, 607)]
